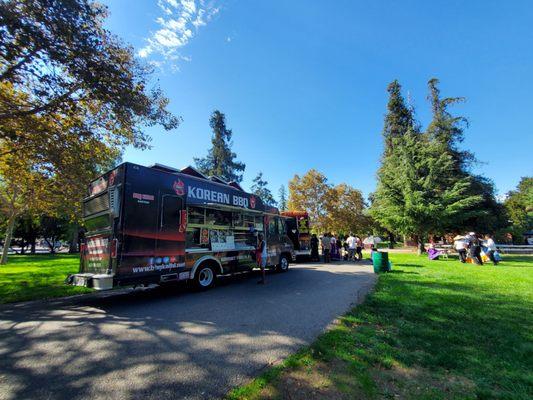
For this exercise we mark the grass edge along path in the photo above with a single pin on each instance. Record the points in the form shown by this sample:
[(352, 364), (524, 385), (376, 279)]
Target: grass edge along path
[(430, 330), (38, 277)]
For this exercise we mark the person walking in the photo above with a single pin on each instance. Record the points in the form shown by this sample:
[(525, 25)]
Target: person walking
[(359, 248), (491, 248), (351, 242), (475, 248), (261, 257), (314, 248), (460, 247), (326, 247)]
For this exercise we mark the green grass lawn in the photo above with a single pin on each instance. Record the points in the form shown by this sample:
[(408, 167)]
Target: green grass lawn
[(431, 330), (33, 277)]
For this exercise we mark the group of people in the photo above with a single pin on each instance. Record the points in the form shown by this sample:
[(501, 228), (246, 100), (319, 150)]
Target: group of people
[(333, 248), (473, 247)]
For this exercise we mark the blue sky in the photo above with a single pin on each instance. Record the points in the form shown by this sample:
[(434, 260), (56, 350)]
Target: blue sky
[(302, 83)]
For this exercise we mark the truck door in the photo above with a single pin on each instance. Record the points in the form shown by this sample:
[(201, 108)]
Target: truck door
[(273, 240), (170, 244)]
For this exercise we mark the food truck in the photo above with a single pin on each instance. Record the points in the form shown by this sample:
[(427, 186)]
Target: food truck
[(299, 231), (158, 224)]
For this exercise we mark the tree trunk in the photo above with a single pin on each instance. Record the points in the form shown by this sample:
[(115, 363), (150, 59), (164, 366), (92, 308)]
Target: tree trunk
[(420, 241), (8, 237), (50, 245), (32, 244), (391, 240), (22, 246), (405, 241), (73, 245)]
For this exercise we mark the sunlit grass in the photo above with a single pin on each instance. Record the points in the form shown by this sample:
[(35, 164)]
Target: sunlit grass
[(32, 277), (431, 330)]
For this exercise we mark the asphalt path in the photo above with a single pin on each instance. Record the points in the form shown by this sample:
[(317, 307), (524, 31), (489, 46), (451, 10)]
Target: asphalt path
[(170, 343)]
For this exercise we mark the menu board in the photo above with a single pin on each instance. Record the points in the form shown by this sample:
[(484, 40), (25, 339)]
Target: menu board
[(221, 240)]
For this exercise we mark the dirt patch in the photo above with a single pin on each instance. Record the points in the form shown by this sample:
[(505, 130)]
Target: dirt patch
[(400, 382), (327, 381)]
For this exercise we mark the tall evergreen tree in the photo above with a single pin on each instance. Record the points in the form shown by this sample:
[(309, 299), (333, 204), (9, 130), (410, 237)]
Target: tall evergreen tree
[(399, 116), (446, 131), (220, 160), (261, 190), (415, 195), (282, 194)]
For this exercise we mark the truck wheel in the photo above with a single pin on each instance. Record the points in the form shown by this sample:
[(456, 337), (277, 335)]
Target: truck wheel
[(283, 265), (205, 277)]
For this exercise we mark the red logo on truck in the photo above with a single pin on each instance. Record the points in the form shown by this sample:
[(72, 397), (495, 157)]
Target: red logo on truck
[(179, 187), (252, 201)]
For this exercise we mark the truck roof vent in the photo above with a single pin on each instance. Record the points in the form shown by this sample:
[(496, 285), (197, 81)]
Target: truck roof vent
[(192, 172), (164, 168), (236, 186), (218, 180)]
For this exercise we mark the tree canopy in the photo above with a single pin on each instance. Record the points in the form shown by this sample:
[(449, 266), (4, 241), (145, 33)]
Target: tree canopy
[(519, 206), (339, 209), (261, 190), (220, 160), (424, 185)]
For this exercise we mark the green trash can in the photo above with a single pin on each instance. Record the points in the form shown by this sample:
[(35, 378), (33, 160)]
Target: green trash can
[(380, 261)]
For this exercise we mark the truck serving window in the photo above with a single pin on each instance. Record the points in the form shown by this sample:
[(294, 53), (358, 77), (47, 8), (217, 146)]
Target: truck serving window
[(218, 217), (170, 214), (96, 204), (196, 215)]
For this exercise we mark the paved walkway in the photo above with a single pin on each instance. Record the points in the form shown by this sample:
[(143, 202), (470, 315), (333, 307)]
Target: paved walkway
[(170, 343)]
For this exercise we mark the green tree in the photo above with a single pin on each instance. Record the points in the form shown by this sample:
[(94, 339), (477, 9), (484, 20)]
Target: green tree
[(261, 190), (416, 195), (220, 160), (519, 206), (399, 116), (446, 132), (282, 195), (22, 188), (57, 57), (27, 229)]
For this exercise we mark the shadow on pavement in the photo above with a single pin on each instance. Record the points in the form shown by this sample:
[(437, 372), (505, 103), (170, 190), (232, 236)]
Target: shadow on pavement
[(170, 342)]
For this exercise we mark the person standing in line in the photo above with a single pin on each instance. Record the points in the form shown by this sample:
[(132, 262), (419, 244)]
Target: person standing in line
[(326, 247), (460, 247), (359, 248), (351, 242), (475, 248), (261, 257), (334, 252), (314, 248), (491, 246)]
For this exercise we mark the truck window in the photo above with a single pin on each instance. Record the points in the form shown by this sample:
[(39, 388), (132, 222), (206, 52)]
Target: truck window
[(196, 215), (281, 226), (170, 214), (238, 220), (272, 227), (218, 217)]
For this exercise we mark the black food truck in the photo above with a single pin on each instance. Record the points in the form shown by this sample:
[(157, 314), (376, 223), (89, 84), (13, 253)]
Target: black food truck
[(157, 224)]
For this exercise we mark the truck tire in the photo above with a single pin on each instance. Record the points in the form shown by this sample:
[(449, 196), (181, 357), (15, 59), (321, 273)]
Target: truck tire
[(205, 277), (283, 265)]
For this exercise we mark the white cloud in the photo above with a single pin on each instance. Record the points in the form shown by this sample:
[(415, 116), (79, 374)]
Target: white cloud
[(180, 22)]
